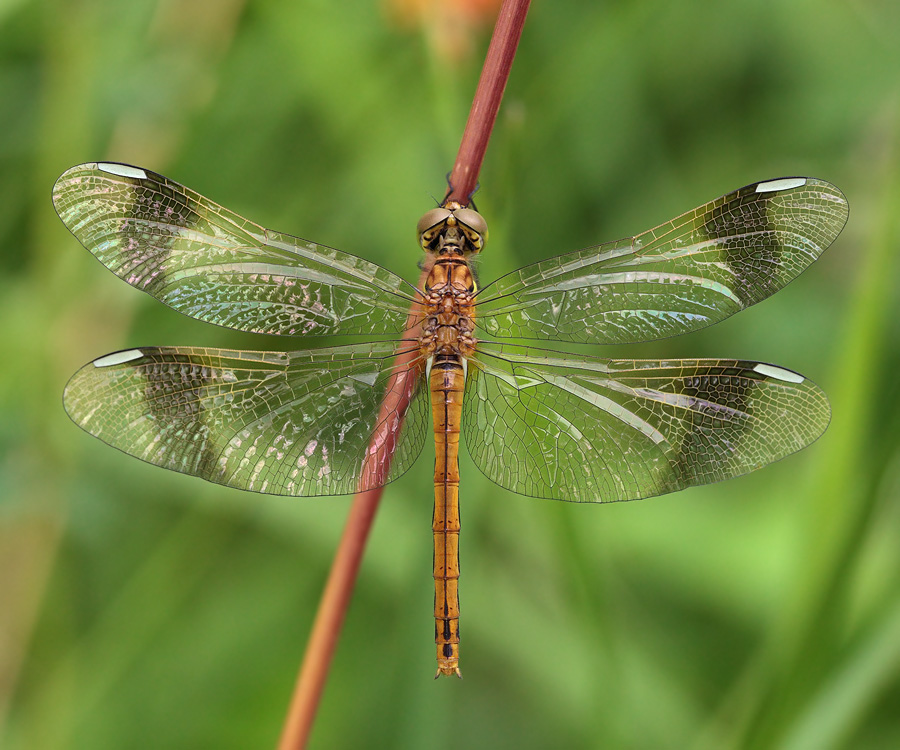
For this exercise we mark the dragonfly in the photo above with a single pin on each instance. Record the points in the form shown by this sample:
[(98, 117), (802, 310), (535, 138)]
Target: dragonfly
[(346, 419)]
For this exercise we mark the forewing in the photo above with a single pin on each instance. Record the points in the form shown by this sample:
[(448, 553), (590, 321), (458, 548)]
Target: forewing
[(216, 266), (298, 423), (689, 273), (597, 430)]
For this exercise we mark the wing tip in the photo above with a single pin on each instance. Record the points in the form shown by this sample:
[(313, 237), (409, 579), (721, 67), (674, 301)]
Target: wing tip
[(819, 411), (834, 206), (118, 169)]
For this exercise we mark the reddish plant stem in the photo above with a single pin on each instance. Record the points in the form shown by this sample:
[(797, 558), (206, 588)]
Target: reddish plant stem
[(329, 619), (488, 95), (339, 587)]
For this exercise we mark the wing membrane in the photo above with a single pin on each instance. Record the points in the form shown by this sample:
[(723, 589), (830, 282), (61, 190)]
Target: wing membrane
[(297, 423), (216, 266), (598, 430), (689, 273)]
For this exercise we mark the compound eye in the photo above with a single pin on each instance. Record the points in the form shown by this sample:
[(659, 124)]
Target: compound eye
[(475, 224), (431, 219)]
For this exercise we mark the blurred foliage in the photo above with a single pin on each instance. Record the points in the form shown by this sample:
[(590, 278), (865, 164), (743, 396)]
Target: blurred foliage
[(140, 608)]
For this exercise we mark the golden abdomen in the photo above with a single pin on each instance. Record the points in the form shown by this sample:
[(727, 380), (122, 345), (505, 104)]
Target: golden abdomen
[(447, 384)]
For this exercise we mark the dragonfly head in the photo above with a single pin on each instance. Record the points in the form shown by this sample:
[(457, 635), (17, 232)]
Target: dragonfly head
[(452, 224)]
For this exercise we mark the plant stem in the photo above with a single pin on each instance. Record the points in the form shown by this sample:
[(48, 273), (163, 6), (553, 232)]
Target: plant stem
[(338, 589), (486, 104)]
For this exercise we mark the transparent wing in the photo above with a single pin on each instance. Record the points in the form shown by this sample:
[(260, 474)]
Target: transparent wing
[(599, 430), (216, 266), (298, 423), (691, 272)]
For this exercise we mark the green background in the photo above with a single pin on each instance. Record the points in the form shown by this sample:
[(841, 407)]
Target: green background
[(141, 608)]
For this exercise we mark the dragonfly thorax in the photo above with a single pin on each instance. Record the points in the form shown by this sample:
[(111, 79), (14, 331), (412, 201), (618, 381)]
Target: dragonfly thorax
[(449, 307), (449, 291)]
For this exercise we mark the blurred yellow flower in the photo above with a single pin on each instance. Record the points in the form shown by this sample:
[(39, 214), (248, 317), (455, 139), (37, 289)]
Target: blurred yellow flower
[(451, 26)]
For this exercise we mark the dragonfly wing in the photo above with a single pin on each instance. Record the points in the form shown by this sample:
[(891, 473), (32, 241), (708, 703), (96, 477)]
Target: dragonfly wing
[(216, 266), (599, 430), (297, 423), (689, 273)]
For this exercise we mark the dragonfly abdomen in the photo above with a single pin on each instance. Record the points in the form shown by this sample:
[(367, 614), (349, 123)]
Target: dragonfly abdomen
[(447, 384)]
